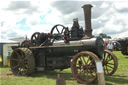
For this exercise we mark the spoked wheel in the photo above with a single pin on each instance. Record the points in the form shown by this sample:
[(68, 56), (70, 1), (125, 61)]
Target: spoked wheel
[(26, 43), (35, 39), (22, 61), (110, 63), (84, 67), (58, 29)]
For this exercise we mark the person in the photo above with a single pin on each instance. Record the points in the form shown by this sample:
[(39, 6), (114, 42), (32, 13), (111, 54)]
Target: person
[(110, 46), (106, 43)]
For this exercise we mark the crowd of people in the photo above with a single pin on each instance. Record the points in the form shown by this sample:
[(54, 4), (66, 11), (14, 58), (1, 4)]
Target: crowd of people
[(109, 45)]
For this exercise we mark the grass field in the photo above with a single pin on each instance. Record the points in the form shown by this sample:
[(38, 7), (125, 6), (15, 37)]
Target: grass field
[(49, 78)]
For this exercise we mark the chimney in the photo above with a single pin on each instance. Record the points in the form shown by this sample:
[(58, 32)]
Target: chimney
[(75, 23), (87, 16)]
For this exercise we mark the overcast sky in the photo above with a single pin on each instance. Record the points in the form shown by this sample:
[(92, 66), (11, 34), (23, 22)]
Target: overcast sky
[(20, 18)]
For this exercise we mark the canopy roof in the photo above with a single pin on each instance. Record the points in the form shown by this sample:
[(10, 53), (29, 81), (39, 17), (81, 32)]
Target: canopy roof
[(7, 41)]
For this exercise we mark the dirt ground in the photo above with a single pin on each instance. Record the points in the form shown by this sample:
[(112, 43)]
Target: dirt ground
[(6, 74)]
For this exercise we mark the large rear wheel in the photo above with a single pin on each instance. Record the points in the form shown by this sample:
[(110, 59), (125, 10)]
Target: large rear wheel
[(22, 61)]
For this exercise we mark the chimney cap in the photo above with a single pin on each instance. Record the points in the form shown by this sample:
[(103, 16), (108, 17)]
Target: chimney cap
[(75, 19), (87, 5)]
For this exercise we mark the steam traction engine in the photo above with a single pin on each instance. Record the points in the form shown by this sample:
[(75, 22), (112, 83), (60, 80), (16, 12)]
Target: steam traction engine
[(63, 48)]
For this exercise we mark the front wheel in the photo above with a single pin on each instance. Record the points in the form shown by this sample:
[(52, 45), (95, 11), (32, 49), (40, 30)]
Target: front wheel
[(84, 67)]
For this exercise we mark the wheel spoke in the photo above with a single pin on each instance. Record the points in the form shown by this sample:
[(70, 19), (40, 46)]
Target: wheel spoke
[(80, 72), (106, 58), (21, 55), (107, 69), (57, 30), (104, 70), (17, 54), (109, 59), (92, 74), (110, 66), (62, 30), (16, 66), (91, 62), (84, 60), (81, 60), (19, 71), (88, 59), (22, 70), (110, 63)]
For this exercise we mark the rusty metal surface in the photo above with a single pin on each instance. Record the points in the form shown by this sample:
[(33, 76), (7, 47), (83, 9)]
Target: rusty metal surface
[(22, 62), (84, 67), (26, 43), (110, 63), (87, 16)]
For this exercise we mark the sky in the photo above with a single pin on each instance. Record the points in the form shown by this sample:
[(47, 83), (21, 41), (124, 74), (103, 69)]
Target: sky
[(20, 18)]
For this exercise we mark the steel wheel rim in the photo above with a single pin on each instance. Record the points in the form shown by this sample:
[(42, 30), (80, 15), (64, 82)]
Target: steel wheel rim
[(88, 68), (110, 63), (19, 63)]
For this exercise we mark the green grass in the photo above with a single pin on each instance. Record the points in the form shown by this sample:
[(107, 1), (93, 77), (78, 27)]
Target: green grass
[(49, 77), (121, 75)]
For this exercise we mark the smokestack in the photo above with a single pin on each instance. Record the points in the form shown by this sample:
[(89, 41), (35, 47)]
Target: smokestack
[(75, 23), (87, 16)]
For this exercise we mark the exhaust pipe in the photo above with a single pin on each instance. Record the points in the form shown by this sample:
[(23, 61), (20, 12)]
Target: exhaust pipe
[(87, 16), (75, 23)]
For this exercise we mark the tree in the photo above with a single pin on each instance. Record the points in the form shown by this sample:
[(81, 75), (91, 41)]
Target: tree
[(104, 35)]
